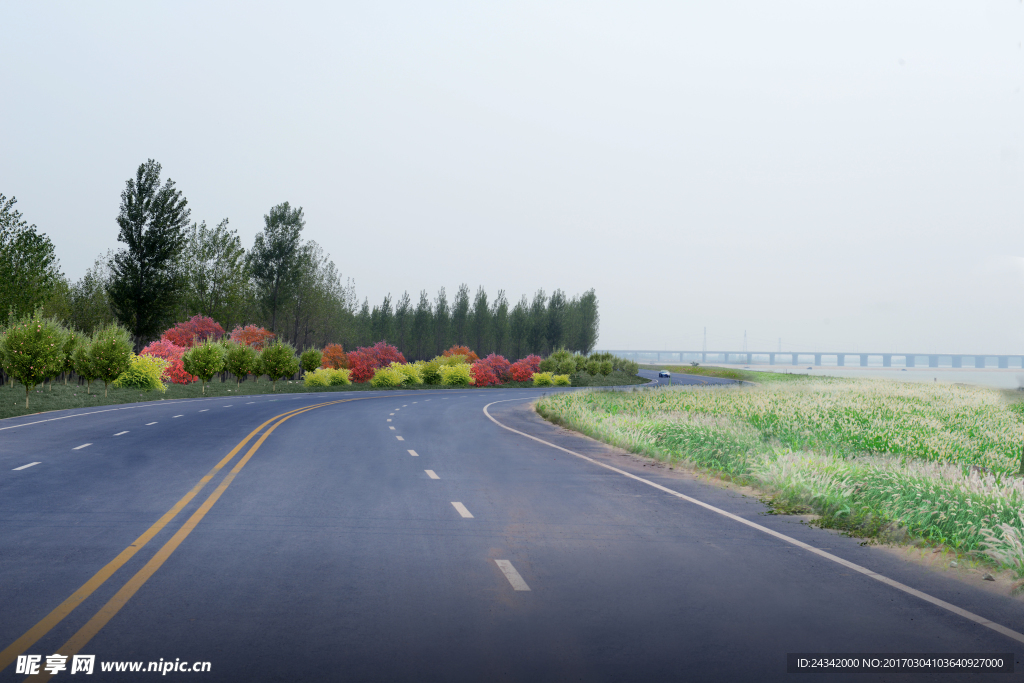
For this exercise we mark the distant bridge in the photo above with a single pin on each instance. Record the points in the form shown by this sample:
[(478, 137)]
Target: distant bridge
[(909, 360)]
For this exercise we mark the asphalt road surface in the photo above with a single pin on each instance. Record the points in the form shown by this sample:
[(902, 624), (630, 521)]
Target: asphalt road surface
[(414, 536)]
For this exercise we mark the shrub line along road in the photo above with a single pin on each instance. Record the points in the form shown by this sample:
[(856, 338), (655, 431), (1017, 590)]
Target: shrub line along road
[(321, 547)]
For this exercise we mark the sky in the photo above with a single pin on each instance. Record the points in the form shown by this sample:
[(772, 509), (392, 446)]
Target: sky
[(844, 176)]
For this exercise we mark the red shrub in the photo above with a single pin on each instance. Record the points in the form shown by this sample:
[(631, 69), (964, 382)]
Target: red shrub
[(461, 351), (364, 360), (521, 371), (251, 335), (533, 361), (334, 357), (500, 366), (174, 372), (483, 374), (198, 328)]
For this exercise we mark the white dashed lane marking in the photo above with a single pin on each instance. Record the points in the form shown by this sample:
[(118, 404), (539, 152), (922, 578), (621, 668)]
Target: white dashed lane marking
[(120, 433), (462, 510), (431, 474), (25, 467), (250, 403), (399, 438), (174, 416), (204, 410), (228, 406), (413, 453), (78, 448), (390, 427), (512, 575), (389, 419), (150, 423)]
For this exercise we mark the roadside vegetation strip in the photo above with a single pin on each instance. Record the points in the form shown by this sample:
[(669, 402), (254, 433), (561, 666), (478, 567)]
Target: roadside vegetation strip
[(978, 619), (935, 461), (9, 654), (756, 376)]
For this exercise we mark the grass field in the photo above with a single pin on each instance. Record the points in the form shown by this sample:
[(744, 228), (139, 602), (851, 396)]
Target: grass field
[(936, 461), (732, 373)]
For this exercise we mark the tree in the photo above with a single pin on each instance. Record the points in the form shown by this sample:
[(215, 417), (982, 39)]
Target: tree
[(33, 350), (278, 360), (537, 327), (334, 357), (240, 361), (110, 353), (519, 328), (90, 305), (480, 321), (499, 323), (589, 321), (273, 256), (422, 332), (204, 361), (81, 362), (310, 360), (556, 320), (196, 329), (214, 275), (460, 314), (145, 280), (29, 270), (403, 323), (382, 320), (442, 322)]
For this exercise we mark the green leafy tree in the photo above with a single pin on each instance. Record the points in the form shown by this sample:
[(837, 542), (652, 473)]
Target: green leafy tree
[(215, 278), (33, 350), (81, 362), (460, 315), (310, 360), (204, 361), (145, 281), (500, 324), (422, 334), (403, 323), (29, 270), (519, 328), (90, 305), (537, 341), (240, 360), (272, 258), (110, 353), (480, 322), (72, 340), (279, 361), (442, 322)]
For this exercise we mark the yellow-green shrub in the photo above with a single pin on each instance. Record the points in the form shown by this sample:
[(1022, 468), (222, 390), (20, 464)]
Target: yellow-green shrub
[(411, 372), (431, 372), (317, 378), (143, 372), (542, 379), (385, 378), (561, 381), (455, 375), (339, 376)]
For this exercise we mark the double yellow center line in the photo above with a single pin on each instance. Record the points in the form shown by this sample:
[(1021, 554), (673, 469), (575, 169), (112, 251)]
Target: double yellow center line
[(107, 612)]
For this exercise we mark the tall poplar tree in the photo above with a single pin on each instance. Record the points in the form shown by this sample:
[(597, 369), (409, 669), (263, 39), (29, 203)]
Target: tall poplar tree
[(442, 322), (144, 283), (272, 260), (460, 315)]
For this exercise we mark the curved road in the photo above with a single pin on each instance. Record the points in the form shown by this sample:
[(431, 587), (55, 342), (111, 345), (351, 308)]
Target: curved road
[(412, 535)]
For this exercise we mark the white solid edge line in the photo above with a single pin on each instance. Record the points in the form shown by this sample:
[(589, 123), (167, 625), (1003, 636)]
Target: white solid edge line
[(512, 575), (78, 448), (120, 433), (978, 619), (430, 473), (399, 438), (413, 453), (25, 467), (462, 510)]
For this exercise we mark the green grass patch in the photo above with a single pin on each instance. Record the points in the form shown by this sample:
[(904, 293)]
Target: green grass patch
[(733, 373), (867, 455), (616, 378)]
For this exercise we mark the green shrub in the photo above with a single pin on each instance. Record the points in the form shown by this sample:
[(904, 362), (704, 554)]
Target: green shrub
[(144, 372), (204, 361), (387, 378), (561, 381), (542, 379), (606, 367), (33, 350), (110, 353), (317, 378), (411, 372), (548, 365), (456, 375), (593, 366), (559, 355), (566, 366), (278, 360), (431, 371), (581, 362), (339, 376), (240, 361), (452, 361), (310, 360)]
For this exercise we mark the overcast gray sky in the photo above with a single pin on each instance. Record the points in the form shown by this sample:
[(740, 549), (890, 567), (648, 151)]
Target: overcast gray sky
[(847, 175)]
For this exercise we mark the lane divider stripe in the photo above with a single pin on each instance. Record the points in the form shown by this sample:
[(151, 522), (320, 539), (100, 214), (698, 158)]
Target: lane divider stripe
[(413, 453), (462, 510), (25, 467), (512, 575), (998, 628), (432, 474)]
